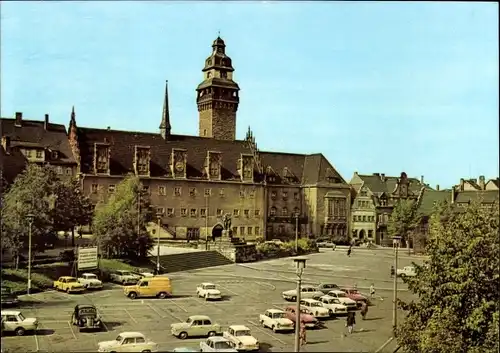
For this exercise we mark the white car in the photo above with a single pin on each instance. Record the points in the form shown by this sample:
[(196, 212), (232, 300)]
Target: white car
[(14, 321), (407, 271), (334, 306), (217, 344), (315, 308), (306, 292), (124, 277), (276, 320), (344, 299), (146, 274), (241, 338), (208, 291), (128, 342), (90, 281)]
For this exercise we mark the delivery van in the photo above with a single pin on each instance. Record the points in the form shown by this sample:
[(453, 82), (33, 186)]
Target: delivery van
[(157, 286)]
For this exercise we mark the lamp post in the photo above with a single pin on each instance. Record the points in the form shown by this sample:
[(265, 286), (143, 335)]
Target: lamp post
[(296, 232), (30, 218), (206, 221), (158, 216), (300, 265), (396, 240)]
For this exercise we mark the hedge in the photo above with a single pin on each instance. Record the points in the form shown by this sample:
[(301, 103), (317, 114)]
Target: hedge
[(273, 250), (17, 280)]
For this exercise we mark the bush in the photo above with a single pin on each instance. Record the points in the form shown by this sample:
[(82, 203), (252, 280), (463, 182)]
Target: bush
[(271, 250), (17, 280)]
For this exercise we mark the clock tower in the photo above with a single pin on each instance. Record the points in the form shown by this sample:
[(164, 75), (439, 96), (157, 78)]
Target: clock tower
[(217, 96)]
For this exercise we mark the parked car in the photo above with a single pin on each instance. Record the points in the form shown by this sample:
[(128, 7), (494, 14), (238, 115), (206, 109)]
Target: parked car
[(185, 349), (68, 284), (158, 286), (309, 320), (124, 277), (208, 291), (8, 298), (355, 295), (315, 308), (326, 287), (195, 326), (306, 292), (128, 342), (344, 299), (14, 321), (217, 344), (241, 338), (276, 320), (326, 243), (407, 271), (334, 306), (90, 281), (85, 316)]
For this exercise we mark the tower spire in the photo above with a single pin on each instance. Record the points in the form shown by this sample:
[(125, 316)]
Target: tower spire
[(165, 118)]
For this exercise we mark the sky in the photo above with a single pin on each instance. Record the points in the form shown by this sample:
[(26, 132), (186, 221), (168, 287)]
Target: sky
[(377, 87)]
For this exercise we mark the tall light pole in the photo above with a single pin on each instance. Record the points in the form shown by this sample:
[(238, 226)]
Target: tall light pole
[(30, 218), (300, 265), (158, 216), (296, 232), (206, 220), (396, 240)]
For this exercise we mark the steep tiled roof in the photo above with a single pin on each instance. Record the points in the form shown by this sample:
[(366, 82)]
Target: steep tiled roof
[(495, 181), (32, 133), (430, 198), (486, 196), (278, 161), (377, 186)]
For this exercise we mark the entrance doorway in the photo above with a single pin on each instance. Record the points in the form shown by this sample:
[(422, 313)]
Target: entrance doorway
[(361, 234), (217, 231)]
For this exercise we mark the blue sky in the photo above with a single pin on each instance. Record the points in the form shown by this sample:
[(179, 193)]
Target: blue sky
[(375, 86)]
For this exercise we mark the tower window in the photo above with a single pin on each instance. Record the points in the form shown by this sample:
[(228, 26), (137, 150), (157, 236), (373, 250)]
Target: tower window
[(234, 94), (209, 74), (204, 132), (223, 74)]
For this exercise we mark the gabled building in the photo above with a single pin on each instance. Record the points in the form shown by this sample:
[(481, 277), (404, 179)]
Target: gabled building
[(487, 193), (375, 197), (194, 180)]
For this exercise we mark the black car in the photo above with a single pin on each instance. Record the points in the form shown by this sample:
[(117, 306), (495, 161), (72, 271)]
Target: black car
[(86, 317), (327, 287), (9, 298)]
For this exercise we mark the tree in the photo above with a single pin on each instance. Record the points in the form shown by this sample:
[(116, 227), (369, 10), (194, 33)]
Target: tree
[(72, 208), (404, 220), (119, 224), (31, 193), (457, 309)]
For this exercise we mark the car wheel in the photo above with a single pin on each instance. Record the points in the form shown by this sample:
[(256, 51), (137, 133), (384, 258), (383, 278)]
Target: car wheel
[(294, 299), (262, 323), (86, 286), (162, 295), (330, 312), (132, 295), (123, 283), (183, 335), (274, 329), (67, 290), (211, 334), (146, 351), (20, 331)]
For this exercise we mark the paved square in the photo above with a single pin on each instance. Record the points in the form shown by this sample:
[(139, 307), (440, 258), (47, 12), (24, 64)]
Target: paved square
[(248, 291)]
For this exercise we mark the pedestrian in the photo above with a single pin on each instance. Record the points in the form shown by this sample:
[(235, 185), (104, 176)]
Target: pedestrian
[(372, 291), (364, 310), (351, 321), (303, 339), (349, 250), (392, 271)]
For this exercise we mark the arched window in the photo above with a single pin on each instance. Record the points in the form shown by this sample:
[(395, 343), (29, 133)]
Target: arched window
[(284, 211), (296, 211), (273, 211)]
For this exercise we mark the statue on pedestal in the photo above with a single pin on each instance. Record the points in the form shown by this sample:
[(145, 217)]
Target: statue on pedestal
[(226, 221)]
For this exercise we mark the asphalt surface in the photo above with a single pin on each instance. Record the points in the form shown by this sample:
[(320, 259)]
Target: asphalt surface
[(248, 291)]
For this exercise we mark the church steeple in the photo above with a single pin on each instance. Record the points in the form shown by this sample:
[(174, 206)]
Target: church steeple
[(217, 97), (165, 118)]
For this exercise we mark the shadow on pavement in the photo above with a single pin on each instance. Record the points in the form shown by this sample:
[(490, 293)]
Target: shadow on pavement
[(34, 303), (362, 331), (373, 318), (316, 342), (111, 325), (45, 332), (226, 298), (180, 296), (265, 347)]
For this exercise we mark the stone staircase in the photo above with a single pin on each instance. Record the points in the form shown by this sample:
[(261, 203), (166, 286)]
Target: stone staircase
[(191, 261)]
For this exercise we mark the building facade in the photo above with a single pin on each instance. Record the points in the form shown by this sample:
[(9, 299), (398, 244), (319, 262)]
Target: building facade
[(192, 181)]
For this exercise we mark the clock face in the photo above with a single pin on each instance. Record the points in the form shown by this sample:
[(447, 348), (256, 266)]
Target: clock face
[(179, 166)]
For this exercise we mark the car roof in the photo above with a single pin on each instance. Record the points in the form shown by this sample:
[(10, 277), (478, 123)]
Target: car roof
[(328, 284), (11, 312), (88, 273), (66, 277), (337, 291), (274, 311), (308, 286), (131, 334), (239, 328), (218, 339), (309, 300), (79, 306), (208, 283), (199, 317)]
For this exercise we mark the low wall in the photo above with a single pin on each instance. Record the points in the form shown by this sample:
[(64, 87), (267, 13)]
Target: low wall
[(240, 253)]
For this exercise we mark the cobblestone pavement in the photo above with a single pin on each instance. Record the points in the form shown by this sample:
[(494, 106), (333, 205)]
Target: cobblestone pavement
[(248, 291)]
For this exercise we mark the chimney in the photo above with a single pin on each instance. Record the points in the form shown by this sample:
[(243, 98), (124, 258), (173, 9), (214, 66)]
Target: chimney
[(109, 128), (46, 122), (382, 177), (453, 195), (376, 174), (19, 119), (462, 182), (437, 187), (421, 179), (6, 144), (482, 182)]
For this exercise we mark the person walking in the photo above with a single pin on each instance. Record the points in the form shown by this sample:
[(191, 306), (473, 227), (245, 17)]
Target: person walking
[(303, 338), (351, 321), (364, 310), (372, 291), (349, 251)]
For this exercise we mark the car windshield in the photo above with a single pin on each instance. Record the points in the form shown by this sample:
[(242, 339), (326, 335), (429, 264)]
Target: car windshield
[(222, 345), (188, 321), (341, 295), (332, 301), (316, 304), (242, 333), (71, 280), (21, 317), (354, 291), (210, 286), (126, 273), (119, 338), (91, 277), (279, 315)]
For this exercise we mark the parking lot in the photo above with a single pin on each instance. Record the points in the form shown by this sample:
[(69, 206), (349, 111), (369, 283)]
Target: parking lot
[(248, 291)]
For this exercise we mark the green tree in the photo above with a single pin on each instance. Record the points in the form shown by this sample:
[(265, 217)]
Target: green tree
[(457, 309), (404, 220), (119, 224), (72, 208), (31, 193)]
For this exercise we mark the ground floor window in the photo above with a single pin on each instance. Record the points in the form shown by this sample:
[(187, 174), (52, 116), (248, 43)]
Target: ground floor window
[(193, 233)]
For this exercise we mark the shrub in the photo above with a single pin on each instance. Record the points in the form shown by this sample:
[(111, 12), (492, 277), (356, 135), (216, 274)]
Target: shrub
[(17, 280)]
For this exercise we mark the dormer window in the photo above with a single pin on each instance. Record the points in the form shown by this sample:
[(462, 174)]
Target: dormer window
[(246, 167), (39, 154), (213, 164), (178, 162), (55, 155), (101, 158), (142, 160)]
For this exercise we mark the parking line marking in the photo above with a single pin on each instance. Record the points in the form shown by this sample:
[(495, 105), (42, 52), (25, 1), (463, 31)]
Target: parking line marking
[(71, 328), (267, 333), (130, 315), (36, 342), (206, 305), (229, 290), (177, 305)]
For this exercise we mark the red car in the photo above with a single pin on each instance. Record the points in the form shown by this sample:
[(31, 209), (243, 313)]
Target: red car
[(309, 320), (355, 295)]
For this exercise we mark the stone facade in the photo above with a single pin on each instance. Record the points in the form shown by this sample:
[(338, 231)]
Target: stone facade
[(364, 216)]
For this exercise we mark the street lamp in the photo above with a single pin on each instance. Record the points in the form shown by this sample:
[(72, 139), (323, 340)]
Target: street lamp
[(158, 216), (30, 217), (396, 241), (300, 265), (296, 232)]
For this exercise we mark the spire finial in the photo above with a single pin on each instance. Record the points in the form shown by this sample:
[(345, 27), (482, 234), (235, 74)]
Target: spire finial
[(165, 118)]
